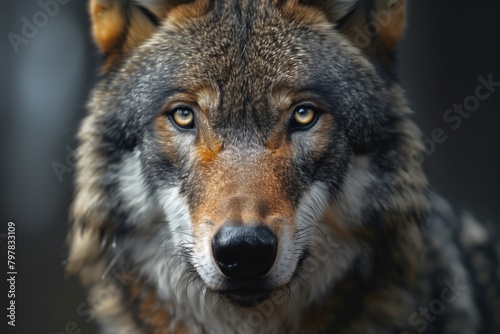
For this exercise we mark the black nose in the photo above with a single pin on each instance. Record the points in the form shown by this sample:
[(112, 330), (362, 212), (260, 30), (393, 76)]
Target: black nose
[(244, 251)]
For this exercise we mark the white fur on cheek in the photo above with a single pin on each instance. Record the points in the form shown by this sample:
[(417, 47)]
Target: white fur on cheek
[(162, 256), (312, 205), (140, 206), (331, 257), (177, 212), (349, 204), (310, 210)]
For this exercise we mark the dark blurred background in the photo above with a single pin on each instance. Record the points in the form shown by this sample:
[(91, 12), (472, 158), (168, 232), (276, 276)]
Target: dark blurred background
[(44, 86)]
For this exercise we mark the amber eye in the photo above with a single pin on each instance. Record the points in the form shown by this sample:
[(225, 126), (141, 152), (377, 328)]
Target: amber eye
[(304, 117), (183, 117)]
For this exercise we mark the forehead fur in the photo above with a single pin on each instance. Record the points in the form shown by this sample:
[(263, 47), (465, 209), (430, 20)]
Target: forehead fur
[(244, 47)]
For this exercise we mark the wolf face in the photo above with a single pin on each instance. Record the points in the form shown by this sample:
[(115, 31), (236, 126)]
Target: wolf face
[(244, 131), (235, 150)]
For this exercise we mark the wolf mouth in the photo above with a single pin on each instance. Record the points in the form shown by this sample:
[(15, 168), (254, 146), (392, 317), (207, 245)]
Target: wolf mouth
[(246, 293), (246, 297), (252, 293)]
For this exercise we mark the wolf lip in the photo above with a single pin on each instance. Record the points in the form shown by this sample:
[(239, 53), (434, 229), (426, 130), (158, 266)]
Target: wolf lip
[(246, 297)]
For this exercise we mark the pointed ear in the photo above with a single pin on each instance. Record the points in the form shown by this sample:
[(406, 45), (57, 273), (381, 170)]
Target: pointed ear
[(376, 26), (119, 26)]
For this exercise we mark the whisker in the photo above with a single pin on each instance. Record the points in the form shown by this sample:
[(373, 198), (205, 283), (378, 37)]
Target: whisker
[(112, 263)]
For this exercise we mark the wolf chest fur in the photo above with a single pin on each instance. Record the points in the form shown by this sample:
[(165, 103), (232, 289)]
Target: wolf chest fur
[(253, 167)]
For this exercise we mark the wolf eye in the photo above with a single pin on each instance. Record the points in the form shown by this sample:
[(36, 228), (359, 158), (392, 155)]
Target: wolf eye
[(183, 117), (304, 117)]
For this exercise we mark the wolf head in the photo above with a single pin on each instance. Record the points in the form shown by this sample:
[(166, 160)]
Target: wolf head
[(236, 141)]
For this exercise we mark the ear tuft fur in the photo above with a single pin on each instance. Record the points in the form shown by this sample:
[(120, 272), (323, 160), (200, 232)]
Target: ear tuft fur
[(119, 26), (376, 26)]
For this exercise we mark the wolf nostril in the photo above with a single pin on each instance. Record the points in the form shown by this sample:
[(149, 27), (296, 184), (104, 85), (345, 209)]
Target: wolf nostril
[(244, 251)]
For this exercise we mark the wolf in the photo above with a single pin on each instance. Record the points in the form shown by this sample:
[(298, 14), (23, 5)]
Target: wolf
[(252, 166)]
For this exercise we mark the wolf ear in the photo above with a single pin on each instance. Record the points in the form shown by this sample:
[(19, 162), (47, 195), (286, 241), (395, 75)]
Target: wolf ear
[(119, 26), (376, 26), (374, 23)]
